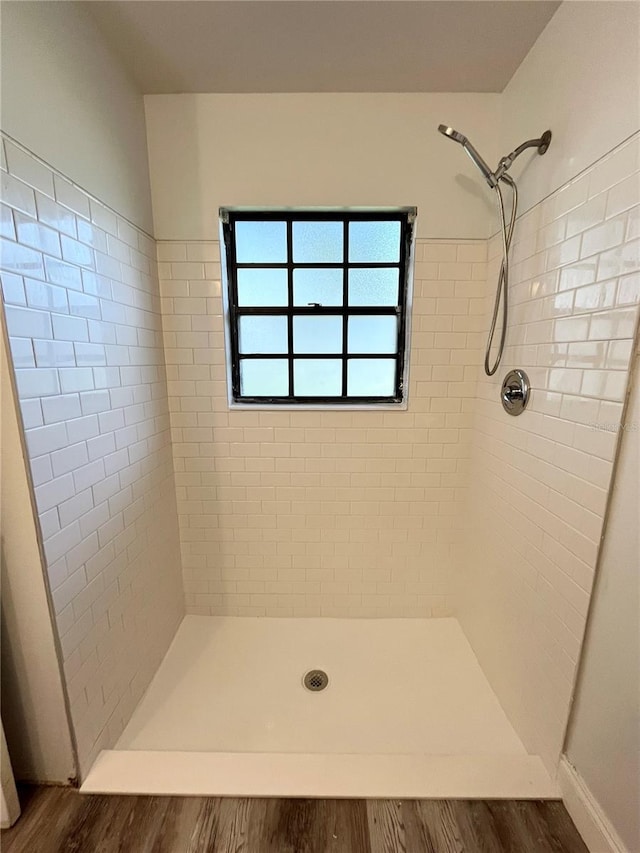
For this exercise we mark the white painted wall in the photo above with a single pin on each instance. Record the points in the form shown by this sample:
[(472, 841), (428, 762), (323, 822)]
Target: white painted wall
[(67, 98), (33, 710), (604, 737), (580, 79), (207, 151)]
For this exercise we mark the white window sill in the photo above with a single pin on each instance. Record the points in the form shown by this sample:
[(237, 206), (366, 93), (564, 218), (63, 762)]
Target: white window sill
[(311, 407)]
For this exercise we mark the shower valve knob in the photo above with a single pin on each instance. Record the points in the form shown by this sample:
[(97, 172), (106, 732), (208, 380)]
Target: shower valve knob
[(511, 400), (515, 392), (512, 392)]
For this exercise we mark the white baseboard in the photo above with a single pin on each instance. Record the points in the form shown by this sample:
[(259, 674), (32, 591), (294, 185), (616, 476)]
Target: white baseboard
[(592, 824)]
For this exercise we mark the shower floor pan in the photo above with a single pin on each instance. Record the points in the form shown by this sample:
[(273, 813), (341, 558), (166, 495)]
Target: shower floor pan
[(407, 712)]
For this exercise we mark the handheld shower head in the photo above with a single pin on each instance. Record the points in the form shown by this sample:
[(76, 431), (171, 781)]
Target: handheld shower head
[(471, 151), (452, 134)]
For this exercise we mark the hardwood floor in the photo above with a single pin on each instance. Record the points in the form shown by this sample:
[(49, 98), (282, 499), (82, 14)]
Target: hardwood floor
[(60, 820)]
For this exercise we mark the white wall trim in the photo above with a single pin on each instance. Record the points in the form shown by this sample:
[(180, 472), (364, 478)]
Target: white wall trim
[(592, 823)]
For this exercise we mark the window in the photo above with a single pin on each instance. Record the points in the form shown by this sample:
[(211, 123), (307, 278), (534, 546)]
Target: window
[(317, 305)]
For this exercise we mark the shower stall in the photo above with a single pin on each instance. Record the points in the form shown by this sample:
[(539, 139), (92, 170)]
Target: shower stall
[(380, 598), (340, 703)]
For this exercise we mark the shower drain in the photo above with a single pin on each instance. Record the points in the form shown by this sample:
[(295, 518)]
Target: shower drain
[(315, 680)]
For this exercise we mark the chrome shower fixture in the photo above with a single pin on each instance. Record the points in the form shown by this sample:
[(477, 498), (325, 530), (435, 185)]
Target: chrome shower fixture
[(492, 178), (471, 151)]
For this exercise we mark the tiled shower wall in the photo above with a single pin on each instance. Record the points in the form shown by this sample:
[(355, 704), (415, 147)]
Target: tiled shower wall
[(83, 316), (343, 513), (328, 512), (539, 482)]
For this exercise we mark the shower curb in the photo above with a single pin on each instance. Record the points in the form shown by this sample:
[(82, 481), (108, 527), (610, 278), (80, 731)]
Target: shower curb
[(319, 775)]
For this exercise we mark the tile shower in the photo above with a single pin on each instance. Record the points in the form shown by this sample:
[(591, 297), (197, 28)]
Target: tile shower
[(154, 499)]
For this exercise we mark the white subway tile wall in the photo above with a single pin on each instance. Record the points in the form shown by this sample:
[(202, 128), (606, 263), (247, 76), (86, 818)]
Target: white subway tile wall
[(83, 315), (448, 507), (326, 512), (539, 482)]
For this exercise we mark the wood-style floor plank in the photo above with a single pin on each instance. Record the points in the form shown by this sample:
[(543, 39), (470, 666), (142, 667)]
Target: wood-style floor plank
[(477, 828), (386, 826), (99, 825), (46, 816), (188, 824), (438, 827), (60, 820), (145, 816), (563, 836), (313, 826)]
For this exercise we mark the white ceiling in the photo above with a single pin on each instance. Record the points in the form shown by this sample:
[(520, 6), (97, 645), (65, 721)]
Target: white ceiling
[(175, 46)]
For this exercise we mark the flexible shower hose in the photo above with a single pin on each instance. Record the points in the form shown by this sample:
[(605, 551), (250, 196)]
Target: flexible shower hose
[(503, 277)]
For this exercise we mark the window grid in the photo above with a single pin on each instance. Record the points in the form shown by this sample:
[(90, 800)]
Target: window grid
[(405, 216)]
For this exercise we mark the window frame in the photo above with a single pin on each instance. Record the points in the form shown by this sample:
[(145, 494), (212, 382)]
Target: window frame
[(406, 217)]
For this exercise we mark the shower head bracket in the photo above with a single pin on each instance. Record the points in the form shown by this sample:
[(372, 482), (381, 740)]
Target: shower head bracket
[(541, 144), (545, 141)]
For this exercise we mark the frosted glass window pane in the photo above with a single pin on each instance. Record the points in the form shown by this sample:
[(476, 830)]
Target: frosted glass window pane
[(262, 287), (261, 242), (267, 377), (317, 334), (317, 377), (371, 377), (263, 334), (323, 286), (376, 286), (370, 333), (374, 241), (318, 242)]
